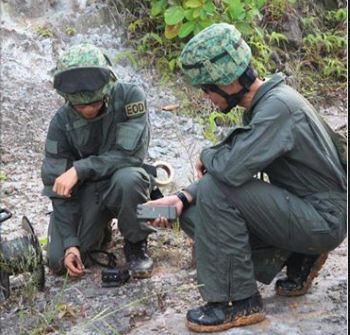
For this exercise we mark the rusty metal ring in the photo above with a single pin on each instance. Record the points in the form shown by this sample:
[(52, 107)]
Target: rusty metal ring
[(168, 169)]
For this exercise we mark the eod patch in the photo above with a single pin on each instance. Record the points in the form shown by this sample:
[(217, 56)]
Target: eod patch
[(135, 108)]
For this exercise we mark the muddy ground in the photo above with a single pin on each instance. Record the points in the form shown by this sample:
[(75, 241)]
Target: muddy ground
[(153, 306)]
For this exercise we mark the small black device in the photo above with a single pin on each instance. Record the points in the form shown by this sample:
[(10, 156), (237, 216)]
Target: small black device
[(114, 277), (147, 212)]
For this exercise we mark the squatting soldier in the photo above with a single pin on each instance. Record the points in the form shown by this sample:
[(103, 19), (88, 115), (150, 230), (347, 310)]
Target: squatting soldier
[(246, 229), (95, 146)]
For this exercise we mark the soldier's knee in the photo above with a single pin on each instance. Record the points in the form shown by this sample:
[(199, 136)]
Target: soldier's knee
[(187, 221), (205, 189), (130, 178)]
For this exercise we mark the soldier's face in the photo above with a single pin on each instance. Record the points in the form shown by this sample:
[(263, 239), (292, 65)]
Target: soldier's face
[(89, 111), (216, 99)]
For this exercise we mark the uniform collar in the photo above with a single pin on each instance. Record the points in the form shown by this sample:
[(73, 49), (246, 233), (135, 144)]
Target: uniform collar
[(269, 84)]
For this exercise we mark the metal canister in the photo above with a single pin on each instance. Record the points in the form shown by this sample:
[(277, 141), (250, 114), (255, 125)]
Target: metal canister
[(20, 252)]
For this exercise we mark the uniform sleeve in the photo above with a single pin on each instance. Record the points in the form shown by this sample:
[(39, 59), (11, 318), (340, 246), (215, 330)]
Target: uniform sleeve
[(58, 158), (192, 189), (269, 136), (131, 143)]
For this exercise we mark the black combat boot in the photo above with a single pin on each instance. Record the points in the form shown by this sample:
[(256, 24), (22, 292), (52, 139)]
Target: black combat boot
[(140, 264), (301, 270), (219, 316)]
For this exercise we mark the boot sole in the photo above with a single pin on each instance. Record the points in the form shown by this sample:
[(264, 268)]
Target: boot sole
[(242, 321), (313, 274)]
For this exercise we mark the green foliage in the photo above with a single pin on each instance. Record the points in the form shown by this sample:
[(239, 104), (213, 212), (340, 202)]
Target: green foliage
[(334, 67), (338, 16), (276, 9), (324, 46), (3, 176), (70, 31), (261, 51), (277, 38), (181, 19), (160, 34), (217, 119), (43, 241), (160, 37), (127, 54), (45, 31), (325, 42)]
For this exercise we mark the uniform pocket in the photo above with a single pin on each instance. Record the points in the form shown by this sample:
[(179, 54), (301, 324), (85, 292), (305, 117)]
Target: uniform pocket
[(128, 135)]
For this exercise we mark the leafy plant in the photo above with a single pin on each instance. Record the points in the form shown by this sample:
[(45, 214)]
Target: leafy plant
[(217, 120), (334, 67), (339, 16), (160, 34), (127, 54), (3, 176), (70, 31), (45, 31), (185, 18), (276, 9), (277, 38)]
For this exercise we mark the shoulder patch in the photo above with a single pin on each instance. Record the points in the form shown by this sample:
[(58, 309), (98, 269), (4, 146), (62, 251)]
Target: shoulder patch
[(135, 108)]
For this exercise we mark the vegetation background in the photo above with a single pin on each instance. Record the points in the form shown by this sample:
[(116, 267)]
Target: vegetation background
[(306, 40)]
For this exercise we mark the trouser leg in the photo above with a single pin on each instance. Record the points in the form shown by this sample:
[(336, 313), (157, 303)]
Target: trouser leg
[(227, 217), (223, 253), (55, 248), (92, 217), (128, 188), (267, 259), (187, 221)]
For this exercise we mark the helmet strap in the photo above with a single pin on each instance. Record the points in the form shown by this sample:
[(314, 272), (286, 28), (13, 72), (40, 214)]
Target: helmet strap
[(234, 99), (246, 80)]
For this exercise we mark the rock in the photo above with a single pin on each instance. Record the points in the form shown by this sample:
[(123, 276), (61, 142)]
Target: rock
[(291, 27)]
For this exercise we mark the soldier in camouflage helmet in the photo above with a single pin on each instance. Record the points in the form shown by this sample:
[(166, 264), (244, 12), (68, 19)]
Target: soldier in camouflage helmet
[(93, 168), (246, 229)]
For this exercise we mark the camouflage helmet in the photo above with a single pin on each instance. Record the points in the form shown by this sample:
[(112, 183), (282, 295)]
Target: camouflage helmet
[(84, 74), (217, 55)]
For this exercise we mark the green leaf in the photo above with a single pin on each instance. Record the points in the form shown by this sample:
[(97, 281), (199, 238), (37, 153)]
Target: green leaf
[(244, 28), (203, 14), (189, 14), (43, 241), (171, 31), (209, 7), (196, 13), (205, 23), (172, 64), (174, 15), (186, 29), (236, 9), (157, 7), (193, 3), (260, 3), (147, 38)]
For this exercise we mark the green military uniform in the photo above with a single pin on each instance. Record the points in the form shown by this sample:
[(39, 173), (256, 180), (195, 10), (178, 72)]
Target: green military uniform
[(107, 153), (245, 228)]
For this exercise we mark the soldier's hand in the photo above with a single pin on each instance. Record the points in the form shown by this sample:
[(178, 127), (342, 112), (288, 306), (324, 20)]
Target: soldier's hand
[(65, 182), (73, 263), (171, 200), (200, 168)]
